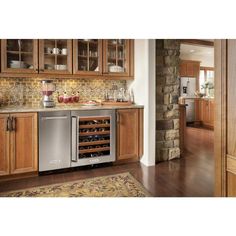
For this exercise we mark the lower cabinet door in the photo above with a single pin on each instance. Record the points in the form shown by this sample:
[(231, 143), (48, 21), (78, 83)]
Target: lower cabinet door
[(23, 139), (4, 145), (128, 134)]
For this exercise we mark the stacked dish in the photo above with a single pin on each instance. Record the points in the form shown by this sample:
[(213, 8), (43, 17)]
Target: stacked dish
[(18, 64), (116, 69)]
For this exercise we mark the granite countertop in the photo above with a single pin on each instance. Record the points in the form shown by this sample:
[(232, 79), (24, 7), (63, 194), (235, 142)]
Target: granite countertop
[(12, 109)]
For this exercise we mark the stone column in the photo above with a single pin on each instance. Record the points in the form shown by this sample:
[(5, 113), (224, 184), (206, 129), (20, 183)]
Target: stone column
[(167, 94)]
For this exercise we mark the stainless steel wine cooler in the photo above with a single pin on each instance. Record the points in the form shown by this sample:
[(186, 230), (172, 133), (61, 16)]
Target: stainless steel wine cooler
[(92, 137)]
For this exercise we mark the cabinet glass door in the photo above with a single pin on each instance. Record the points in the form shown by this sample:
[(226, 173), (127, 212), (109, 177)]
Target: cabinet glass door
[(55, 56), (19, 55), (87, 56), (117, 55)]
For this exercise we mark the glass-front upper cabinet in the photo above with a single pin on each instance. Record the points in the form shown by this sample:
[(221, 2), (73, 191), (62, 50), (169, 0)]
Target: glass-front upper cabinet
[(55, 56), (19, 55), (117, 59), (87, 56)]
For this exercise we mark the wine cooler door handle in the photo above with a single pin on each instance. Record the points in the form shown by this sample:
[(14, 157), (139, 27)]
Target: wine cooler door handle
[(74, 138), (54, 117)]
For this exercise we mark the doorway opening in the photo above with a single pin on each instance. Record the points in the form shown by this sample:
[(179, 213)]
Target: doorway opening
[(185, 115), (197, 93)]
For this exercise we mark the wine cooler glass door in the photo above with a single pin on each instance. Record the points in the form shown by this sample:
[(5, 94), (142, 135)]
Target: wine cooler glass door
[(93, 137)]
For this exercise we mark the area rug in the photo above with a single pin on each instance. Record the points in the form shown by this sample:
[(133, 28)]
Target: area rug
[(119, 185)]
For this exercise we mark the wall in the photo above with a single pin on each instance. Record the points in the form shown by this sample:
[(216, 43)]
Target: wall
[(144, 92), (89, 89), (167, 94)]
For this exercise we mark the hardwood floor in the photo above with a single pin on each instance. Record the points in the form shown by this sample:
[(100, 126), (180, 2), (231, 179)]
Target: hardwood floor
[(190, 176)]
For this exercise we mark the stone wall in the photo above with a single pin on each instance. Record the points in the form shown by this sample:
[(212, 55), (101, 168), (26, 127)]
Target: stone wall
[(167, 94)]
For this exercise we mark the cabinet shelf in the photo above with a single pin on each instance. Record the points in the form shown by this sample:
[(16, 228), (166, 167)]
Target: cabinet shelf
[(58, 55), (86, 57), (19, 52), (94, 150), (114, 59), (94, 126), (94, 133), (94, 143), (114, 45), (94, 118)]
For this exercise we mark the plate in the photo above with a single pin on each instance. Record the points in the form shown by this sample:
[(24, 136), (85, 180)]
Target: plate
[(89, 104)]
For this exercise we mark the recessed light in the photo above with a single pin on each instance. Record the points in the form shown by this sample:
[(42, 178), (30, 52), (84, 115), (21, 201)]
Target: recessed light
[(192, 50)]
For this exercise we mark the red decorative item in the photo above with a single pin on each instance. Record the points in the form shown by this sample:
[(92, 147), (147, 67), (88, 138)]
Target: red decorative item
[(76, 97), (59, 98), (70, 99), (65, 98)]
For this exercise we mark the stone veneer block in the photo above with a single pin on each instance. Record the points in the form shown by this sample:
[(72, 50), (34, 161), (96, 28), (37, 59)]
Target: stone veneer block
[(167, 109)]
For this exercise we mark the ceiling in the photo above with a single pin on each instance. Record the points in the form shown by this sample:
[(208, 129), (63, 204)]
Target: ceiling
[(198, 53)]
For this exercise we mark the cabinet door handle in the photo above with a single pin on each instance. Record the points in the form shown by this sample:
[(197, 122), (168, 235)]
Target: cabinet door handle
[(13, 121), (74, 139), (8, 124), (54, 117)]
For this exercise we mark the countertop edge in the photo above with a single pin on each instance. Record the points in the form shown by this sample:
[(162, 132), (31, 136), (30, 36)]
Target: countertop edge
[(26, 109)]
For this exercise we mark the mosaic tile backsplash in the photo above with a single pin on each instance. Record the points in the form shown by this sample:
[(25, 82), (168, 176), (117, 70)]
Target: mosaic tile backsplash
[(27, 91)]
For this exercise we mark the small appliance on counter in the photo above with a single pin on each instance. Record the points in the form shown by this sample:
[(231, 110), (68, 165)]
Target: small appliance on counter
[(47, 89)]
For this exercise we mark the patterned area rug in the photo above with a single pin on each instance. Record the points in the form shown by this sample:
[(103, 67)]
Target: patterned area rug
[(119, 185)]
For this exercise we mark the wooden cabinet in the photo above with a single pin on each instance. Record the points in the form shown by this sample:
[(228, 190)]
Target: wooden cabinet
[(4, 146), (66, 58), (113, 57), (19, 56), (129, 134), (189, 68), (18, 143), (198, 111), (204, 112), (55, 56), (118, 57), (87, 56)]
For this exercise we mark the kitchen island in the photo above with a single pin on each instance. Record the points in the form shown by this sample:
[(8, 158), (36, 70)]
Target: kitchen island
[(203, 111)]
